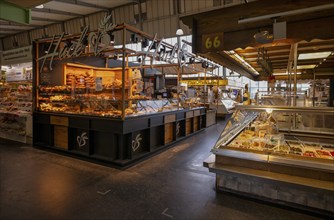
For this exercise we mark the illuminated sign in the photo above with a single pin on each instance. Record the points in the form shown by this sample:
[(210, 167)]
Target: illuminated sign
[(98, 41)]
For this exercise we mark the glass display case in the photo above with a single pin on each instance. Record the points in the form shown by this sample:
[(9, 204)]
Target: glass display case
[(284, 154), (305, 133), (88, 90)]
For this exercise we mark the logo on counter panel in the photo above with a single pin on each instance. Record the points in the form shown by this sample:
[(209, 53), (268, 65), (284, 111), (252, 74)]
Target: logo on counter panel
[(136, 142), (81, 139)]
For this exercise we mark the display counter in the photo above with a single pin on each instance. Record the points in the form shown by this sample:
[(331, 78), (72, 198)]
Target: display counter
[(83, 116), (115, 141), (281, 154)]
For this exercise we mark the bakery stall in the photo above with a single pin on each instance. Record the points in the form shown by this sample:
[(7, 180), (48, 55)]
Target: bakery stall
[(278, 153), (87, 105), (16, 95)]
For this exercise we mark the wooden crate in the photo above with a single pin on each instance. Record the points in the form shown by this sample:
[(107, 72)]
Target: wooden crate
[(169, 131), (188, 126), (61, 137)]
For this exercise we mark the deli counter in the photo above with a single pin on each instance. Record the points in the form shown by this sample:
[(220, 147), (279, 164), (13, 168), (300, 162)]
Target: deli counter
[(281, 154)]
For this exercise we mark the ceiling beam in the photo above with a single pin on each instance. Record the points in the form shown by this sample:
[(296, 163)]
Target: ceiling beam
[(18, 26), (12, 29), (53, 11), (11, 12), (80, 3), (287, 13), (45, 19)]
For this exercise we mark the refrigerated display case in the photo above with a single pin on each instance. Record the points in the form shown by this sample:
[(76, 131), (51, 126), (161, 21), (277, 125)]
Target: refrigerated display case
[(280, 153)]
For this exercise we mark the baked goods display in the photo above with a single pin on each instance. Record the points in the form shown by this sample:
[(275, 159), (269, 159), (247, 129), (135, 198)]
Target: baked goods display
[(80, 81), (16, 99), (262, 135), (15, 107)]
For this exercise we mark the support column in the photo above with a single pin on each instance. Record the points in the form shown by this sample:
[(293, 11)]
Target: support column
[(331, 93)]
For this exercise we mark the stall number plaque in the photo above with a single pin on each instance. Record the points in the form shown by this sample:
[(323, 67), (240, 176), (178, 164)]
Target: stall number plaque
[(213, 42)]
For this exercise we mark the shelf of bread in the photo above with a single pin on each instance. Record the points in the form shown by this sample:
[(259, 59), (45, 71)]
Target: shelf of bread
[(16, 99), (82, 76), (15, 111)]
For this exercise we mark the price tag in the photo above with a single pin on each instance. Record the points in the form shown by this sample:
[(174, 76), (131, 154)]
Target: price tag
[(98, 84), (213, 42)]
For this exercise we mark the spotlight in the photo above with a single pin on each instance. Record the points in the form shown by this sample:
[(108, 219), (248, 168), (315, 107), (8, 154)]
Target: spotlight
[(112, 37), (163, 48), (154, 46), (133, 38), (85, 41), (139, 59), (144, 43), (191, 60)]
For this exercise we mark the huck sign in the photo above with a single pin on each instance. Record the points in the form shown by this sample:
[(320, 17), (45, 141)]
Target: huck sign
[(98, 41)]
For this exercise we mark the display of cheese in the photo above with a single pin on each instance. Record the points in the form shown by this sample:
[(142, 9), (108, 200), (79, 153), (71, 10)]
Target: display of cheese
[(262, 136)]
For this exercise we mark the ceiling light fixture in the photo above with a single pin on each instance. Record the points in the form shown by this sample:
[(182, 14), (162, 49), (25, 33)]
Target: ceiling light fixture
[(40, 6), (284, 74), (317, 55), (306, 67), (241, 60)]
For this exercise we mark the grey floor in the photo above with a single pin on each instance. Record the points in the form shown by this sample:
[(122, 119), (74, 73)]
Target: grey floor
[(37, 184)]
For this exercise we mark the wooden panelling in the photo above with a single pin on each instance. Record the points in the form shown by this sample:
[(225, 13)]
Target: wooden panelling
[(61, 137), (58, 120), (169, 132), (170, 118), (188, 126), (189, 114), (196, 123), (197, 112)]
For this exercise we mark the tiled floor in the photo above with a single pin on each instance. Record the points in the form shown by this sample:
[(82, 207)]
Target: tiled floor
[(37, 184)]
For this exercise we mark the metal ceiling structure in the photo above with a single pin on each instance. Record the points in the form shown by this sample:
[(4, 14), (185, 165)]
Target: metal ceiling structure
[(55, 11)]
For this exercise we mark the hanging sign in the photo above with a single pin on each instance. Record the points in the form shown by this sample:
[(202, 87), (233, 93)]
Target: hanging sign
[(16, 56), (222, 82), (98, 41), (212, 42), (160, 53)]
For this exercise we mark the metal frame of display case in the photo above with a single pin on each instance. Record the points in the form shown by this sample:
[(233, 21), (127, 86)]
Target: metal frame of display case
[(293, 180), (119, 141)]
